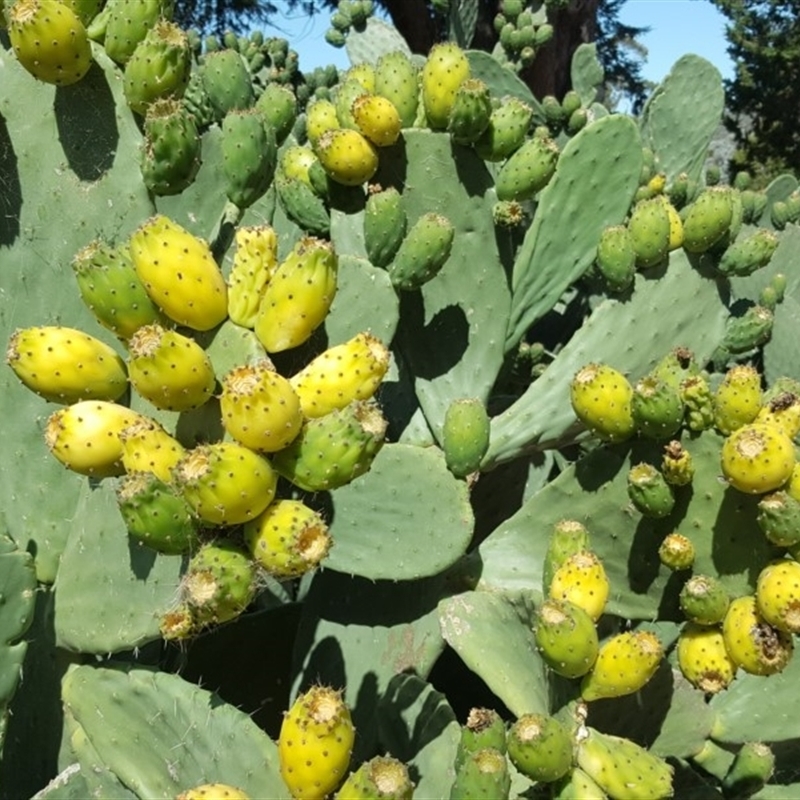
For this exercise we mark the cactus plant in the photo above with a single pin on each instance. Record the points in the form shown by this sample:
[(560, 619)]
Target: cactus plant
[(372, 370)]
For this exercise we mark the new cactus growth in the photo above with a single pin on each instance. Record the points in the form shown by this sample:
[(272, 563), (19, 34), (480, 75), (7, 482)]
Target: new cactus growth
[(423, 252), (315, 743)]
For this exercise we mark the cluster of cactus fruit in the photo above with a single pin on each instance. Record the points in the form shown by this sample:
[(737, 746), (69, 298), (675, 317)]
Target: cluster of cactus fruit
[(474, 417)]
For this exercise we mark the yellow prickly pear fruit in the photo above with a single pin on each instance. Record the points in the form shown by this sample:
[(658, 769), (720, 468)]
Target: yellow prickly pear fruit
[(581, 579), (288, 539), (65, 365), (703, 658), (254, 261), (675, 224), (347, 156), (320, 117), (169, 369), (737, 400), (363, 74), (377, 119), (260, 409), (446, 68), (625, 663), (179, 273), (315, 743), (299, 295), (147, 447), (213, 791), (601, 399), (753, 644), (757, 458), (85, 437), (778, 595), (49, 40), (782, 410), (341, 374)]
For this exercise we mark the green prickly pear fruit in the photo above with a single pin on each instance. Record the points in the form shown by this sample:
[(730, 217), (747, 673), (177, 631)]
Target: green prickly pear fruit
[(213, 791), (259, 407), (779, 215), (540, 747), (64, 365), (571, 102), (698, 401), (445, 69), (277, 104), (677, 465), (85, 436), (649, 491), (347, 156), (397, 79), (169, 369), (779, 518), (623, 769), (484, 728), (171, 148), (465, 436), (616, 259), (178, 624), (508, 214), (423, 252), (704, 600), (225, 483), (255, 259), (753, 644), (287, 539), (111, 289), (320, 118), (750, 771), (554, 114), (625, 663), (582, 580), (566, 637), (601, 399), (315, 743), (380, 778), (511, 9), (220, 582), (385, 225), (346, 94), (295, 162), (86, 10), (506, 131), (298, 295), (528, 170), (148, 448), (197, 101), (377, 118), (471, 111), (362, 73), (577, 785), (750, 330), (676, 366), (567, 538), (179, 273), (657, 408), (341, 374), (159, 67), (127, 24), (249, 156), (335, 449), (747, 255), (757, 458), (708, 219), (49, 40), (577, 121), (650, 231), (737, 399), (303, 206), (778, 595), (676, 552), (483, 775), (156, 515), (703, 658), (227, 82)]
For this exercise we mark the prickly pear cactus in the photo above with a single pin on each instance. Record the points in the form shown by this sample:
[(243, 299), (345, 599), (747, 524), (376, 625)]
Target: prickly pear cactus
[(336, 406)]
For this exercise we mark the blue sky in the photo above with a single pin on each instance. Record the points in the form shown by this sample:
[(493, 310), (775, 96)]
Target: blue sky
[(677, 27)]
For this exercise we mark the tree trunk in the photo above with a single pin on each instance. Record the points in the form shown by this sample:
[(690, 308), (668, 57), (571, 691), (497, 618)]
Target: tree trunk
[(413, 19)]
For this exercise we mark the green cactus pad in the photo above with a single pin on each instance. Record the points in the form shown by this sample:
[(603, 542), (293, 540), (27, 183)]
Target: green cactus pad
[(492, 634), (162, 713), (377, 541)]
